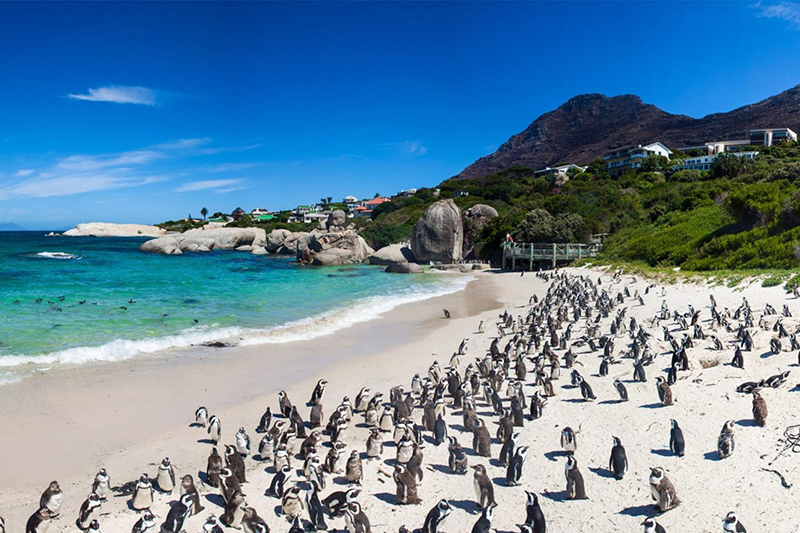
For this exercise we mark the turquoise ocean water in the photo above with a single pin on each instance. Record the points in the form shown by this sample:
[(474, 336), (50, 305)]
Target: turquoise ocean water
[(82, 299)]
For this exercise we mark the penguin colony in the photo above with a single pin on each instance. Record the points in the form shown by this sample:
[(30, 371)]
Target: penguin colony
[(483, 411)]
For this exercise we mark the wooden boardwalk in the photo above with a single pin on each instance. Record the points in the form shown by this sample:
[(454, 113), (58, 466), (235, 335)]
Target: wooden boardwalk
[(550, 253)]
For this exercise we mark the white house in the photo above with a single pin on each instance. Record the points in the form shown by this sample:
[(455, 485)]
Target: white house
[(407, 192), (258, 211), (561, 169), (705, 162), (621, 160)]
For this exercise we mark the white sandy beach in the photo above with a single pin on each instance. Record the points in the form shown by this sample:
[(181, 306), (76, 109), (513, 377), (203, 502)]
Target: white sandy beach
[(67, 423)]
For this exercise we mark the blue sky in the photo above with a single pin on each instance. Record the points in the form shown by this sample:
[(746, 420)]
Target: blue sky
[(141, 112)]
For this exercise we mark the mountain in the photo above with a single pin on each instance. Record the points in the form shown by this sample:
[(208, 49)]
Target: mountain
[(10, 226), (588, 125)]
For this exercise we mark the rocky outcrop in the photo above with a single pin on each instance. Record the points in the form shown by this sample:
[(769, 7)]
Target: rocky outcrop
[(336, 219), (394, 253), (404, 268), (106, 229), (439, 233), (475, 220), (337, 248), (206, 240)]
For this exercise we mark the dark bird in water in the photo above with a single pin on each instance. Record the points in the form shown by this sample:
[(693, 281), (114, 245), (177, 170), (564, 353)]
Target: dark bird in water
[(82, 302), (123, 308), (446, 313), (131, 301)]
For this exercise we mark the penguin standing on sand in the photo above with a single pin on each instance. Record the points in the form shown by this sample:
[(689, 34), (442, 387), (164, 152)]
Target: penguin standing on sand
[(725, 442), (374, 444), (662, 490), (664, 391), (436, 516), (102, 484), (166, 476), (676, 442), (252, 523), (508, 449), (279, 481), (285, 404), (146, 524), (90, 509), (651, 526), (481, 440), (534, 517), (406, 485), (759, 409), (178, 513), (618, 463), (39, 521), (213, 468), (142, 494), (201, 416), (484, 490), (586, 389), (575, 487), (214, 429), (319, 390), (235, 462), (52, 498), (621, 390), (731, 524), (484, 523), (243, 442), (315, 508), (187, 487), (354, 471), (356, 520), (234, 510), (514, 470), (439, 431), (457, 458), (569, 441)]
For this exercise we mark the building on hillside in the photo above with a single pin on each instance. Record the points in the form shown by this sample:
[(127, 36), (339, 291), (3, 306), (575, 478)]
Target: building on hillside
[(407, 193), (770, 136), (561, 169), (258, 211), (366, 208), (314, 217), (350, 201), (621, 160), (238, 213), (264, 218), (459, 194), (705, 162)]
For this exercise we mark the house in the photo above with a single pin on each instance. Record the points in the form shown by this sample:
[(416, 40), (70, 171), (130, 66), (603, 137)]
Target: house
[(302, 209), (407, 193), (314, 217), (770, 136), (361, 211), (264, 217), (705, 162), (238, 213), (459, 194), (561, 169), (627, 158), (258, 211)]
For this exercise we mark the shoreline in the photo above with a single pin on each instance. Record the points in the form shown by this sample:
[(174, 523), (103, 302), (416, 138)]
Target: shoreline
[(113, 414)]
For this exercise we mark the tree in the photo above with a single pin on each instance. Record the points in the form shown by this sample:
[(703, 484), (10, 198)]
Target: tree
[(204, 212), (322, 201), (330, 199), (654, 162), (727, 165)]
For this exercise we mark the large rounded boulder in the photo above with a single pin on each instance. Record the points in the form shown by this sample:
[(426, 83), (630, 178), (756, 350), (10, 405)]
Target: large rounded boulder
[(439, 233), (475, 219)]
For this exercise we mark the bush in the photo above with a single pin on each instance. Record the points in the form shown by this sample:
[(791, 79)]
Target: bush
[(772, 281)]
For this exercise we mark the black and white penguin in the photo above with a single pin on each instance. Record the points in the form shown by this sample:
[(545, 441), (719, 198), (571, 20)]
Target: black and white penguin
[(187, 487), (39, 521), (575, 487), (436, 516), (457, 458), (618, 463), (243, 442), (569, 441), (586, 390), (142, 497), (337, 502), (621, 390), (265, 422), (508, 449), (292, 502), (319, 390), (484, 523), (285, 404), (534, 517), (252, 523), (662, 490), (102, 484), (731, 524), (651, 526), (214, 429), (315, 507), (147, 524), (676, 442), (178, 513), (201, 417), (439, 431), (639, 374), (725, 442), (90, 509), (356, 520), (279, 481), (235, 462), (166, 476), (234, 510), (514, 470), (52, 497), (484, 490)]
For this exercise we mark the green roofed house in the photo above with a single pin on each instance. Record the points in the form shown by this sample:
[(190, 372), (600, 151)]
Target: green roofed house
[(264, 218)]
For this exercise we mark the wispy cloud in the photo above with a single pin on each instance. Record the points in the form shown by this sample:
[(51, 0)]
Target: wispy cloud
[(226, 149), (229, 167), (47, 186), (119, 94), (408, 147), (788, 11), (23, 172), (220, 186)]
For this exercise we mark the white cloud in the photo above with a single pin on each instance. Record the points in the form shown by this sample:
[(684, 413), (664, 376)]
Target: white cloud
[(184, 144), (408, 147), (47, 186), (788, 11), (119, 94), (23, 172), (227, 185)]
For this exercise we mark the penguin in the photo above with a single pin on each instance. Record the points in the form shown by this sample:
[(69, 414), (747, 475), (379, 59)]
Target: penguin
[(436, 516), (484, 490), (235, 462), (201, 417), (265, 422), (317, 416), (484, 523), (297, 422), (142, 497), (664, 391), (759, 409), (178, 513), (508, 449), (279, 481), (213, 468), (52, 498), (292, 502), (234, 510), (662, 490), (356, 520), (362, 399), (725, 442), (639, 374), (676, 442), (214, 429), (406, 485), (481, 328), (243, 442), (282, 458), (102, 484), (457, 457), (651, 526), (90, 509), (731, 524), (229, 484), (187, 487), (569, 441), (405, 449), (446, 313), (319, 390), (575, 486), (534, 517), (337, 502), (166, 476), (252, 523), (621, 390), (618, 463), (354, 471), (2, 525), (586, 390), (439, 431), (285, 404), (315, 508), (374, 444), (146, 523), (297, 526), (514, 470), (39, 521), (738, 358), (481, 440)]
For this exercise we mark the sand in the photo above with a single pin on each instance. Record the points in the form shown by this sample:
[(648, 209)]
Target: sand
[(66, 423)]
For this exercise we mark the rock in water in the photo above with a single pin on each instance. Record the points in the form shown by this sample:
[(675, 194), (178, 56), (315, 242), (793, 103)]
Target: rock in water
[(105, 229), (206, 240), (404, 268), (439, 233), (326, 249), (394, 253), (276, 239)]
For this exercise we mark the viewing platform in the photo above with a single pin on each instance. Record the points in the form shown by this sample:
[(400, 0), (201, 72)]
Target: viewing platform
[(550, 253)]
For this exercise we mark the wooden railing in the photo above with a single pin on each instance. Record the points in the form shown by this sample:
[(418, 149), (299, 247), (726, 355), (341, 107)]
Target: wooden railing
[(550, 252)]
